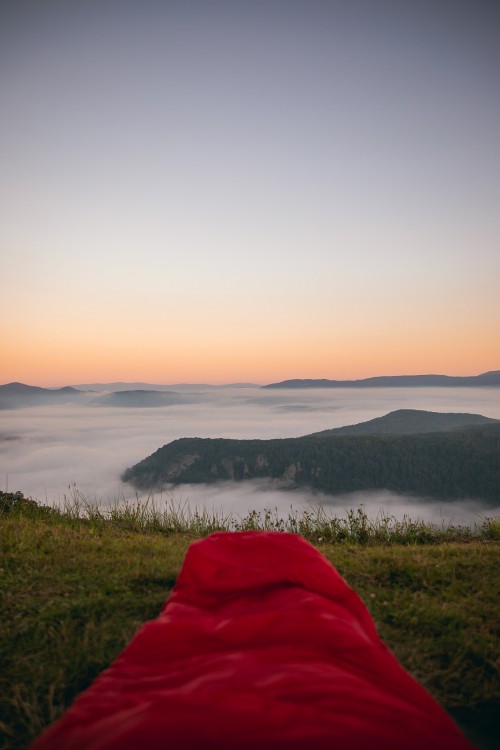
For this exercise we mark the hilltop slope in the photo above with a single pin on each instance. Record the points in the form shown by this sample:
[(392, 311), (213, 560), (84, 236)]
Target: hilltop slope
[(410, 422)]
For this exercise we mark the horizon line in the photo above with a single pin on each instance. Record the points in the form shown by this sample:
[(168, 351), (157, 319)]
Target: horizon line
[(239, 383)]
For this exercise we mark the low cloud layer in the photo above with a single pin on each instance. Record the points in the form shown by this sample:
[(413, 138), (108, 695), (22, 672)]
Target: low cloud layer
[(47, 451)]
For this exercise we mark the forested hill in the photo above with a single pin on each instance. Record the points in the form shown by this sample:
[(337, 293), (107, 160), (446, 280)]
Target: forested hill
[(410, 422), (459, 464), (396, 381)]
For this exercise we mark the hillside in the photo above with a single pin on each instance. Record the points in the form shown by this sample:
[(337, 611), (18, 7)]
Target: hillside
[(457, 464), (410, 422), (396, 381)]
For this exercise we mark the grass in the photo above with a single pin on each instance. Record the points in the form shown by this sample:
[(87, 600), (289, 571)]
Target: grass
[(76, 583), (317, 525)]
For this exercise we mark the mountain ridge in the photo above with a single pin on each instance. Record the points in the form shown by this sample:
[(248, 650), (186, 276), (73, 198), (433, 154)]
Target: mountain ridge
[(491, 378), (16, 387), (17, 395)]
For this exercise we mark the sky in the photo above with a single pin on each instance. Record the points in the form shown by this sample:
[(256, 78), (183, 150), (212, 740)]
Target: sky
[(211, 191)]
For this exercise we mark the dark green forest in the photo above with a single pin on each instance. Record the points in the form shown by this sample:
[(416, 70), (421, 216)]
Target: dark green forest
[(462, 463)]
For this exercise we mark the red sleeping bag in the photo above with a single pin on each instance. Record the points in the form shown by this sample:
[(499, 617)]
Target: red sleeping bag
[(261, 645)]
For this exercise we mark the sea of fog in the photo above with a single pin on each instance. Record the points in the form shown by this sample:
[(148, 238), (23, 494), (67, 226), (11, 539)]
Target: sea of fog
[(47, 452)]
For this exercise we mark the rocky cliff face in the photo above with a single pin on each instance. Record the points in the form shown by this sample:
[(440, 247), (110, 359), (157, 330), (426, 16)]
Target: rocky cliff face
[(176, 468), (291, 471)]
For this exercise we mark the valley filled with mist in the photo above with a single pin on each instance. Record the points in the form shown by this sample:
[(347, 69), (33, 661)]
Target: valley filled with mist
[(85, 441)]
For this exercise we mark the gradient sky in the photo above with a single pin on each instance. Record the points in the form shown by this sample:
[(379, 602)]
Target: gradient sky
[(248, 191)]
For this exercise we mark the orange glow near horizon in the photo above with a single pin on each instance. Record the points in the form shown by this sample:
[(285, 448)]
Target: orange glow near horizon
[(225, 359)]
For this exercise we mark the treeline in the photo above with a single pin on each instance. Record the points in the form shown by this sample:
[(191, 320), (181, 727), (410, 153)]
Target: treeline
[(460, 464)]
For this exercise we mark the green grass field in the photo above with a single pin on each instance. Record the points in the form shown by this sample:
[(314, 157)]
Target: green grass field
[(75, 589)]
